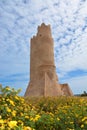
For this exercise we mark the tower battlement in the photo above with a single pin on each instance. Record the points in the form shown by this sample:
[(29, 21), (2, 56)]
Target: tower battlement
[(44, 30), (43, 26)]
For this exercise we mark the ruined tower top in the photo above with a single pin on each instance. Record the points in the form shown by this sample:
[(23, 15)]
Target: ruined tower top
[(44, 30)]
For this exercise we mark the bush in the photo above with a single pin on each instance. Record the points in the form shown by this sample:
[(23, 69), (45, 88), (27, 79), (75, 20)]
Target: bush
[(51, 113), (14, 110), (84, 94)]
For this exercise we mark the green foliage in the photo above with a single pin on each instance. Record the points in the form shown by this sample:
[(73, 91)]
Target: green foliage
[(84, 94), (66, 113), (7, 91), (13, 110), (51, 113)]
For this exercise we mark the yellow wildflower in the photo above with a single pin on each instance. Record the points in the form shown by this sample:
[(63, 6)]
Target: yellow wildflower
[(2, 127), (21, 114), (11, 102), (3, 99), (27, 128), (81, 100), (8, 88), (82, 126), (5, 105), (71, 122), (26, 117), (31, 118), (51, 114), (1, 121), (12, 124), (37, 117), (77, 115), (13, 113), (85, 122), (85, 118), (1, 124), (8, 109), (58, 119), (16, 97), (22, 100)]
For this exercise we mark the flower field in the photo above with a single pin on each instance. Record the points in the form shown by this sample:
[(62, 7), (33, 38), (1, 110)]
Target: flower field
[(52, 113)]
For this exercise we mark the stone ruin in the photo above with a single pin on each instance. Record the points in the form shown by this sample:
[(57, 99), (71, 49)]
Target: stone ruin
[(43, 77)]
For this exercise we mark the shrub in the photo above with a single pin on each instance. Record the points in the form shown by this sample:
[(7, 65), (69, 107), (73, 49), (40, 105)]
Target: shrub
[(51, 113)]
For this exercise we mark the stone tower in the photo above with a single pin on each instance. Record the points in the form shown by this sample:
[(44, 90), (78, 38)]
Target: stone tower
[(43, 77)]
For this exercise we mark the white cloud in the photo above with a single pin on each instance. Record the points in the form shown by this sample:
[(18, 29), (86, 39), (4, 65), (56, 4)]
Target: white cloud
[(78, 84)]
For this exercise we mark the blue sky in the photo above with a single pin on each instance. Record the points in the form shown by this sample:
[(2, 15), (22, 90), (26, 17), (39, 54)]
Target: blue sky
[(19, 20)]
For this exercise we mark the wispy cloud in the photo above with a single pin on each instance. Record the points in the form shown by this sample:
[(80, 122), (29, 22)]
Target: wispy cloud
[(18, 23), (78, 84)]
